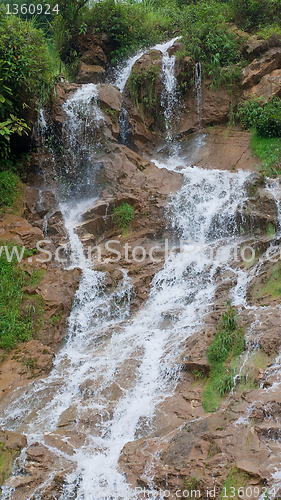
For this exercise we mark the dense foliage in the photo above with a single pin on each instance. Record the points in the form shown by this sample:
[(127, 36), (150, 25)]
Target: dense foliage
[(25, 76), (253, 14), (266, 117), (19, 319)]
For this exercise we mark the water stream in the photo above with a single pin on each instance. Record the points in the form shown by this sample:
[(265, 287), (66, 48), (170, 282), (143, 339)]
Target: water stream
[(116, 369), (169, 98)]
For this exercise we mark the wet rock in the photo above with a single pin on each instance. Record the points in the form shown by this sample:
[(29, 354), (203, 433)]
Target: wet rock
[(128, 178), (56, 228), (88, 73), (143, 127), (110, 97), (227, 151), (194, 358), (12, 440), (56, 441), (215, 110), (258, 212), (269, 62)]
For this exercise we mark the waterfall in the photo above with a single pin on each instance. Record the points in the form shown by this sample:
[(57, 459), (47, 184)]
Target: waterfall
[(198, 89), (273, 186), (169, 98), (114, 370), (81, 135)]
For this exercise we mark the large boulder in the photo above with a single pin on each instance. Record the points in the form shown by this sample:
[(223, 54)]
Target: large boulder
[(269, 86), (146, 79), (94, 48), (255, 46), (88, 73), (269, 62), (213, 110), (110, 97)]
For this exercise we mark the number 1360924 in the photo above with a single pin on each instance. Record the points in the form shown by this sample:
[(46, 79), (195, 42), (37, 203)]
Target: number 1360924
[(31, 9)]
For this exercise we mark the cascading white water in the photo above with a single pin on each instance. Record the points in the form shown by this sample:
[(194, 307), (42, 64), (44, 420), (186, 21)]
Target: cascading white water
[(198, 88), (115, 370), (273, 186), (169, 98), (81, 130), (122, 73)]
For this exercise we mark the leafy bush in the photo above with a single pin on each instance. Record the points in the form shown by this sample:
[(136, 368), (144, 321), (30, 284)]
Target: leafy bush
[(123, 215), (19, 317), (266, 117), (9, 188), (24, 72), (207, 35), (7, 128), (253, 14), (129, 25), (228, 344), (248, 112), (268, 122), (209, 40)]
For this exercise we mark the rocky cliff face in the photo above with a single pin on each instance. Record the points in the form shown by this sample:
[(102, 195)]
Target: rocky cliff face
[(190, 449)]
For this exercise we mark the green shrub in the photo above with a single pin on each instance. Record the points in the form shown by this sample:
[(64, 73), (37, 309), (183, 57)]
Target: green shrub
[(253, 14), (25, 75), (129, 25), (207, 35), (248, 112), (9, 188), (123, 215), (209, 40), (268, 122), (228, 344), (20, 315)]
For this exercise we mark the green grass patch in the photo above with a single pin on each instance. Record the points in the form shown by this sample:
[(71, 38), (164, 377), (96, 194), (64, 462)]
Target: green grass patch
[(7, 458), (270, 286), (228, 345), (123, 215), (55, 319), (10, 186), (269, 151), (236, 479), (21, 315)]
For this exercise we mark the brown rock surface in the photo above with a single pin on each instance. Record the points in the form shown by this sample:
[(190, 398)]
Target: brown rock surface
[(19, 230), (269, 62), (110, 97), (224, 149), (94, 48), (269, 86), (88, 73)]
